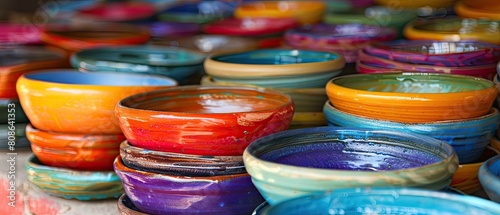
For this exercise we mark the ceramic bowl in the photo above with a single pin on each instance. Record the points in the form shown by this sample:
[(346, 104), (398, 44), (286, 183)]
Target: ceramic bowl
[(412, 97), (305, 99), (209, 44), (305, 12), (68, 101), (166, 194), (175, 63), (469, 138), (489, 176), (12, 106), (297, 162), (466, 177), (217, 121), (16, 141), (127, 207), (179, 164), (482, 4), (276, 68), (197, 12), (75, 151), (384, 201), (13, 33), (73, 184)]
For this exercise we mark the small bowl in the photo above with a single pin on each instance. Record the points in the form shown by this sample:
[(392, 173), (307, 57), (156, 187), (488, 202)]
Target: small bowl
[(217, 121), (75, 151), (16, 141), (384, 201), (73, 184), (209, 44), (297, 162), (69, 101), (489, 176), (412, 97), (179, 164), (127, 207), (469, 138), (305, 12), (175, 63), (166, 194)]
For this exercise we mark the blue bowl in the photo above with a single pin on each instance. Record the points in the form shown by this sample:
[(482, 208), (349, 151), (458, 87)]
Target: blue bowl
[(469, 138), (384, 201), (489, 176)]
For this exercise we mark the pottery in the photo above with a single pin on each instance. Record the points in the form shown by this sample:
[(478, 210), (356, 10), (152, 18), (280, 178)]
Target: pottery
[(11, 33), (469, 138), (117, 12), (68, 101), (13, 107), (217, 121), (197, 12), (13, 142), (73, 184), (466, 177), (412, 97), (277, 68), (126, 207), (384, 201), (416, 4), (297, 162), (489, 176), (179, 164), (175, 63), (465, 11), (209, 44), (75, 151), (155, 193), (172, 29), (305, 12)]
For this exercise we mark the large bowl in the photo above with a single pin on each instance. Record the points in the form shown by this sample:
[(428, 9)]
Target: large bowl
[(297, 162), (203, 120), (384, 201), (469, 138), (179, 164), (489, 176), (75, 151), (68, 101), (73, 184), (155, 193), (412, 97), (305, 12)]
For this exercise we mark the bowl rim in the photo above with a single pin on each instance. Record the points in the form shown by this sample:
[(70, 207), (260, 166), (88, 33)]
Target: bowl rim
[(486, 175), (31, 163)]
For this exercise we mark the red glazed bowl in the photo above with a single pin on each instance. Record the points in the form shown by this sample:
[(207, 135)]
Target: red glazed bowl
[(203, 120)]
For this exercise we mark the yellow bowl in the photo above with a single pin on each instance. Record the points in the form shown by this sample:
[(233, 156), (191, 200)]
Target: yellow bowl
[(416, 3), (305, 12)]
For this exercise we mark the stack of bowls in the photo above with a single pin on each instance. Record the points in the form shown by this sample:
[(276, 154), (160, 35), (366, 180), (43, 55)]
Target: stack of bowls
[(298, 73), (298, 162), (268, 31), (471, 58), (482, 9), (489, 176), (184, 147), (305, 12), (455, 109), (73, 128)]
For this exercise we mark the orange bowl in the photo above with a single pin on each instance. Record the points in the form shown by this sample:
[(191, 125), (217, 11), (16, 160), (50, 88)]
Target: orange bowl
[(305, 12), (69, 101), (75, 151)]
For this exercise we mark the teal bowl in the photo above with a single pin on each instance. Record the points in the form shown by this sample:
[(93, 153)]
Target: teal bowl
[(175, 63), (489, 176), (302, 161), (73, 184), (469, 138)]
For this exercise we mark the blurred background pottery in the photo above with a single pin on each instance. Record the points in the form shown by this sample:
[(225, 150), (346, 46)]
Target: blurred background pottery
[(198, 12), (116, 12), (307, 120), (495, 142), (69, 101), (12, 33), (297, 162), (489, 176), (73, 184), (209, 43), (490, 12), (217, 121), (305, 12), (172, 29), (416, 4)]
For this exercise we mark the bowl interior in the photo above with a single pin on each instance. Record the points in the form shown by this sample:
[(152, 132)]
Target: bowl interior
[(277, 57), (412, 83), (100, 78)]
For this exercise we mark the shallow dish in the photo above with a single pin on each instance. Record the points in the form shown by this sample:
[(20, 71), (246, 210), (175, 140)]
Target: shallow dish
[(305, 12), (489, 176)]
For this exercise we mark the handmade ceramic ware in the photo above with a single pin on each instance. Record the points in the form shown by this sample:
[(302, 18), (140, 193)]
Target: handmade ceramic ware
[(384, 201), (126, 207), (75, 151), (209, 44), (305, 12), (463, 10), (155, 193), (175, 63), (297, 162), (69, 101), (179, 164), (12, 107), (277, 68), (16, 141), (172, 29), (468, 137), (73, 184), (416, 4), (412, 97), (489, 176), (197, 12), (117, 12), (11, 33), (203, 120)]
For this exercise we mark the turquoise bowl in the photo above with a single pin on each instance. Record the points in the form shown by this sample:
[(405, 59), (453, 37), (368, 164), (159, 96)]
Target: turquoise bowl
[(359, 201), (469, 138), (73, 184), (175, 63), (489, 176), (302, 161)]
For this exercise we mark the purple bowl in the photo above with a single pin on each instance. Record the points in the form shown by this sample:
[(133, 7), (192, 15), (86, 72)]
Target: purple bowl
[(173, 29), (155, 193)]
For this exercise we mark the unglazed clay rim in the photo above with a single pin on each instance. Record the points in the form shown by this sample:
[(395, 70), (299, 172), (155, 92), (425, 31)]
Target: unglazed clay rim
[(181, 89), (235, 70)]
